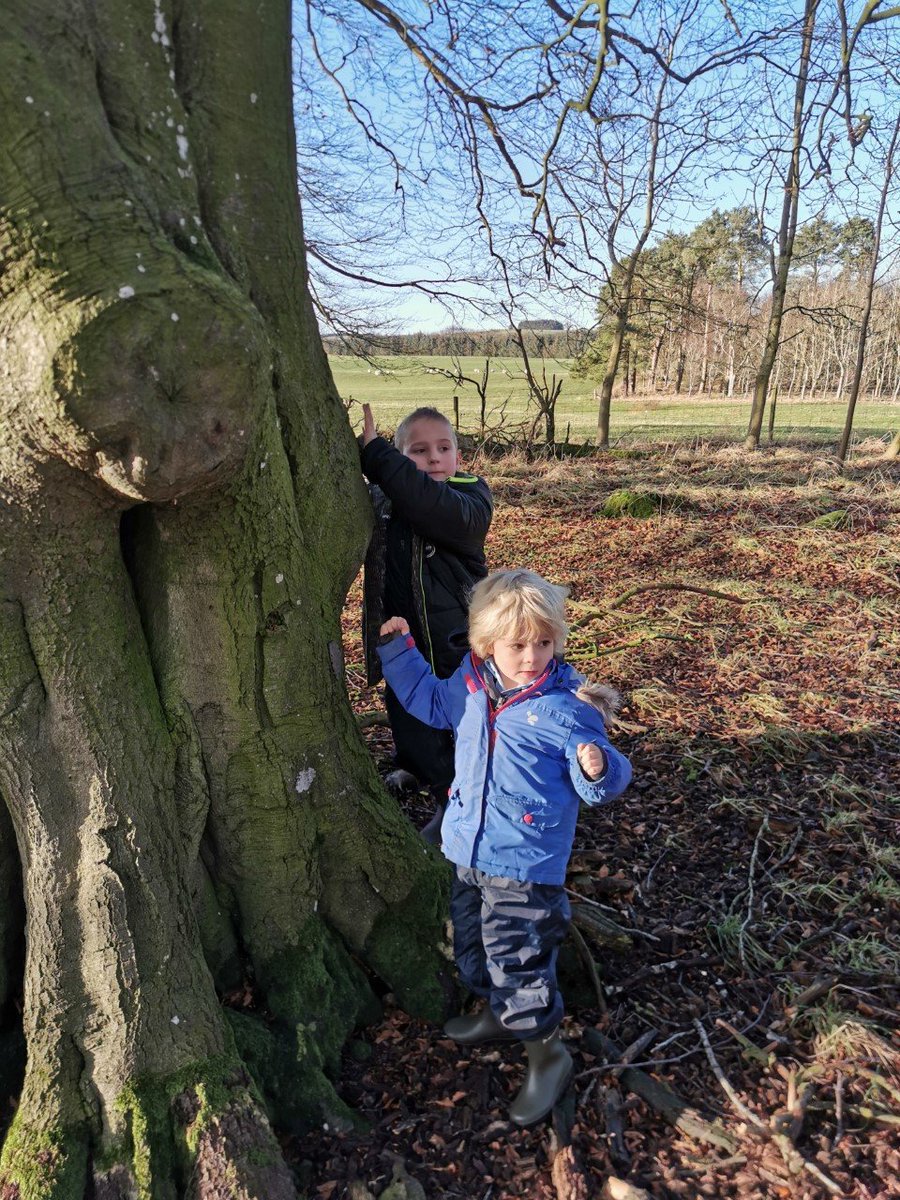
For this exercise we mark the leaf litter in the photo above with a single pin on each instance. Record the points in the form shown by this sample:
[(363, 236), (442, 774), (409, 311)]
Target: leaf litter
[(754, 861)]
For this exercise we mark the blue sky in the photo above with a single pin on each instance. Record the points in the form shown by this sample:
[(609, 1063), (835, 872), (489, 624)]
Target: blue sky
[(403, 212)]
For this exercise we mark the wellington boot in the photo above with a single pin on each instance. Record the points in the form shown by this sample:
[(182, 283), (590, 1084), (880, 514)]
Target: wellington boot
[(482, 1026), (431, 833), (550, 1068)]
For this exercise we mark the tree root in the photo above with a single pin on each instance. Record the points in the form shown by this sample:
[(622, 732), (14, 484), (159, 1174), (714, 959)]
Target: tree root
[(590, 966), (600, 929)]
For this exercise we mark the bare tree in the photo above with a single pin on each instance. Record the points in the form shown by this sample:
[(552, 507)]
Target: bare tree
[(888, 180), (787, 228)]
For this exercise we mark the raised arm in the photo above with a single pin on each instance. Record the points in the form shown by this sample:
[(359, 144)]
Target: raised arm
[(418, 689), (456, 515)]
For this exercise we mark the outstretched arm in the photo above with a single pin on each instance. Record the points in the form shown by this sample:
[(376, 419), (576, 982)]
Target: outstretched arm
[(416, 686), (369, 430)]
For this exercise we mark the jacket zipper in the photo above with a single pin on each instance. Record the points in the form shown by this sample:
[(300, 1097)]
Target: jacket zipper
[(424, 606), (493, 713)]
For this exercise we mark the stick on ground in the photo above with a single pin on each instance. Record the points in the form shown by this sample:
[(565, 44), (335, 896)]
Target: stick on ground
[(670, 1106)]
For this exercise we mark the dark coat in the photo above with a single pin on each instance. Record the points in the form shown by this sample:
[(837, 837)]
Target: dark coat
[(427, 550)]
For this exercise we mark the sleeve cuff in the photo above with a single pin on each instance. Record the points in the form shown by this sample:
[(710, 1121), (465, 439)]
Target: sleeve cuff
[(397, 644), (612, 782)]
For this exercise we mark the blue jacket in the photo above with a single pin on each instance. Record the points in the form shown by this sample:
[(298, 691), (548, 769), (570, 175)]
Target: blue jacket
[(513, 804)]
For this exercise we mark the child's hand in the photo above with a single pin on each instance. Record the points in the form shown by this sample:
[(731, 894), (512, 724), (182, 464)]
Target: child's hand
[(591, 759), (369, 430), (394, 625)]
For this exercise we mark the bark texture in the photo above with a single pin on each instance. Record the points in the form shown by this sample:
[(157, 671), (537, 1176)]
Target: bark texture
[(181, 513)]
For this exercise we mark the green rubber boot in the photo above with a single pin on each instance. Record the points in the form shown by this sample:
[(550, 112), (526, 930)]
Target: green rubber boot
[(431, 833), (550, 1068), (483, 1026)]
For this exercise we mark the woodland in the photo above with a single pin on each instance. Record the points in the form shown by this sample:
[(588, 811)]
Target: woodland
[(223, 945)]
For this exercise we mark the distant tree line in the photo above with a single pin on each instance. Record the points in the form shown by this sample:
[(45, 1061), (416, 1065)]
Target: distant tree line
[(542, 338), (699, 312)]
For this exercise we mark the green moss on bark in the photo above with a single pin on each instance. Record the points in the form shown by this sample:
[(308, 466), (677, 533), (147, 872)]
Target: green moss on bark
[(43, 1164), (170, 1122), (405, 948), (287, 1066), (318, 995)]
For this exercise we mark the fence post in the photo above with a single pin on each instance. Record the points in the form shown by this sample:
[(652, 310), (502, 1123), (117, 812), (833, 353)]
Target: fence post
[(772, 403), (456, 413)]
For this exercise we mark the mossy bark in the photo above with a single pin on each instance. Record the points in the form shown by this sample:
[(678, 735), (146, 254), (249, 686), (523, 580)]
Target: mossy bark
[(181, 513)]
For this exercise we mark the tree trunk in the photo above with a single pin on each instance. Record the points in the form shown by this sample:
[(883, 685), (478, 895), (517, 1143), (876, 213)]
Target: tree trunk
[(654, 363), (609, 377), (844, 444), (181, 513), (704, 364), (786, 232), (730, 358), (679, 369)]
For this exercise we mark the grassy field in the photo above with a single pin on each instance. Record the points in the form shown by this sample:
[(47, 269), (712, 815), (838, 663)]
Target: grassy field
[(396, 385)]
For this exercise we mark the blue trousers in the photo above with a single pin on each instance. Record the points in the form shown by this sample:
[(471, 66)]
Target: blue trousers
[(506, 936)]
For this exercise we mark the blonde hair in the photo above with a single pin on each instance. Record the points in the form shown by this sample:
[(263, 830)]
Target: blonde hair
[(509, 604), (401, 434), (515, 604)]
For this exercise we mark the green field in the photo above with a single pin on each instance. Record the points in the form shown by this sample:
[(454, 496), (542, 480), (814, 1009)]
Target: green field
[(395, 385)]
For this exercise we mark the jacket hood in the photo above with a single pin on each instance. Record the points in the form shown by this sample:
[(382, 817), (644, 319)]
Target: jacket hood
[(605, 700)]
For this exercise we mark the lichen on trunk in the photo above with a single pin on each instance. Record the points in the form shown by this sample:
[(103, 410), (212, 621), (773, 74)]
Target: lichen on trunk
[(181, 513)]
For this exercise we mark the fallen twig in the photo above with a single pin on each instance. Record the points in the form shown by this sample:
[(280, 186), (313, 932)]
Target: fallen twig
[(795, 1163), (626, 929), (838, 1109), (748, 1048), (750, 890), (661, 1098), (739, 1106), (701, 960), (674, 587), (615, 1126), (588, 959), (789, 853), (630, 1053), (793, 1159), (813, 992)]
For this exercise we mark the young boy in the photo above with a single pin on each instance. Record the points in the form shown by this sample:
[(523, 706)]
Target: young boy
[(427, 552), (530, 743)]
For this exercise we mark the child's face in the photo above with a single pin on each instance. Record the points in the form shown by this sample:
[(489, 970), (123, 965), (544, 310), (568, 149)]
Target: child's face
[(521, 659), (429, 443)]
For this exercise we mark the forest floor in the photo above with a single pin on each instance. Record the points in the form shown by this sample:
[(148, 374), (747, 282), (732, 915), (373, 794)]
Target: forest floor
[(754, 860)]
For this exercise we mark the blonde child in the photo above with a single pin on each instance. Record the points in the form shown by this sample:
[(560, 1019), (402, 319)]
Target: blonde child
[(530, 745)]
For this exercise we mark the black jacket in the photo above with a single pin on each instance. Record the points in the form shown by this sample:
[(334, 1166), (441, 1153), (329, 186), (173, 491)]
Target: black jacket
[(426, 553)]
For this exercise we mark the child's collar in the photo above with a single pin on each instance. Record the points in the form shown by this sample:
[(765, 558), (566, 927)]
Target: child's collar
[(494, 682)]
